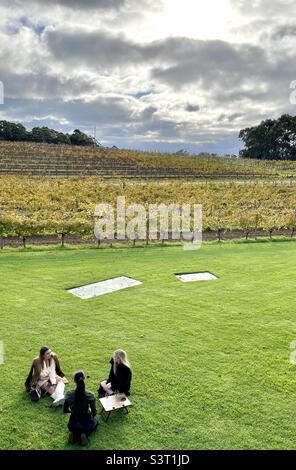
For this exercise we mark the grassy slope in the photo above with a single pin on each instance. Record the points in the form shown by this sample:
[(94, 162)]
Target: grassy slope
[(211, 360)]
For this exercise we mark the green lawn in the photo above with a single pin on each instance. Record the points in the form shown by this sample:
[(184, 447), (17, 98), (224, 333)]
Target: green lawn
[(210, 360)]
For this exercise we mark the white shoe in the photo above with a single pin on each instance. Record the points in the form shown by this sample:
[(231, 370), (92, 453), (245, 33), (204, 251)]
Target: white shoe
[(59, 401), (58, 395)]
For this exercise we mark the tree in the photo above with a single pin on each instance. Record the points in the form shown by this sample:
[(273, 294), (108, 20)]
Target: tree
[(49, 136), (17, 132), (182, 153), (43, 134), (79, 138), (63, 138), (12, 131), (270, 140)]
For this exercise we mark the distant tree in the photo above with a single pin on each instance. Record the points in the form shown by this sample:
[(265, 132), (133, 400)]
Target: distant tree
[(79, 138), (271, 140), (12, 131), (182, 152), (17, 132), (43, 134), (63, 138)]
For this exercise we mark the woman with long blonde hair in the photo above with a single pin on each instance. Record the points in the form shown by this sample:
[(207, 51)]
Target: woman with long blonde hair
[(120, 375)]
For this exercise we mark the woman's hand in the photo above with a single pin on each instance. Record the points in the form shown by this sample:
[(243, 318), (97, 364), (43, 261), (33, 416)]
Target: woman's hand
[(109, 389)]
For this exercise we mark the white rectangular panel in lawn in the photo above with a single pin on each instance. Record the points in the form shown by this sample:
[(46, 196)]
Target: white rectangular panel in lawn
[(104, 287), (192, 277)]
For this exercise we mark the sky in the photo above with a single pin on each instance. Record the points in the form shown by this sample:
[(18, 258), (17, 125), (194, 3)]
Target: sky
[(156, 75)]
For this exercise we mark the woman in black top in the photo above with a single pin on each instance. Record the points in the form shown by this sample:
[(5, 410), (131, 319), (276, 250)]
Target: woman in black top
[(120, 375), (82, 405)]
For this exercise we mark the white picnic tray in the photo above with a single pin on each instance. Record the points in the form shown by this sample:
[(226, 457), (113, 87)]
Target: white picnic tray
[(114, 402)]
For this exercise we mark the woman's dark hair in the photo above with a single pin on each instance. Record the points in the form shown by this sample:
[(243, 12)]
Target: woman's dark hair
[(43, 350), (79, 379)]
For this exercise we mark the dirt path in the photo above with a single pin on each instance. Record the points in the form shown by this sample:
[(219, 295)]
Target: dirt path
[(207, 236)]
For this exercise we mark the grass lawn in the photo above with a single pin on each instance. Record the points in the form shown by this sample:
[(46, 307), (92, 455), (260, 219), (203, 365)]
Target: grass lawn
[(210, 360)]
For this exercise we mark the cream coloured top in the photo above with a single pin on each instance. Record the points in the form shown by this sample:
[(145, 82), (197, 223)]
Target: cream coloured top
[(48, 373)]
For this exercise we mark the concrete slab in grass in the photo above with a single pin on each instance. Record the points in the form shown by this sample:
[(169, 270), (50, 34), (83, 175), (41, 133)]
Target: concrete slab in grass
[(104, 287), (194, 277)]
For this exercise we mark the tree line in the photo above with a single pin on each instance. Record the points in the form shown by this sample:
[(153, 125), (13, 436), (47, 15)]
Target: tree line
[(17, 132)]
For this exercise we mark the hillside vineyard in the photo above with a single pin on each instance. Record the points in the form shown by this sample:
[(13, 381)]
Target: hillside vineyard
[(52, 190)]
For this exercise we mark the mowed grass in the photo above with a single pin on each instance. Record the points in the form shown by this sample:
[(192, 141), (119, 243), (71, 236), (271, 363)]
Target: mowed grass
[(210, 359)]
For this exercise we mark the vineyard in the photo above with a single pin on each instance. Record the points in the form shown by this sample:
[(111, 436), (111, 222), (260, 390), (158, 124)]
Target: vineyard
[(34, 207), (33, 159), (52, 190)]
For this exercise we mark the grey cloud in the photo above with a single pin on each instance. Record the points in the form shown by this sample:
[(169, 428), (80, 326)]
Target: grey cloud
[(192, 108), (147, 113), (237, 94), (263, 7), (213, 62), (88, 3), (163, 128), (43, 85), (176, 61), (283, 31), (74, 4), (97, 50), (101, 49), (103, 110), (80, 5), (230, 117)]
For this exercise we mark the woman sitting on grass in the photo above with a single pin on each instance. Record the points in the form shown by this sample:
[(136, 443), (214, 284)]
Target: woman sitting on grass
[(82, 406), (120, 375), (46, 376)]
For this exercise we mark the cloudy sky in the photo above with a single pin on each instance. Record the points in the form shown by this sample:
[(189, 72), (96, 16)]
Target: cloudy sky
[(149, 74)]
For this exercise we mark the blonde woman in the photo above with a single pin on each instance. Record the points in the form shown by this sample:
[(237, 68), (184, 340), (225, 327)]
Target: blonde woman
[(46, 376), (120, 375)]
